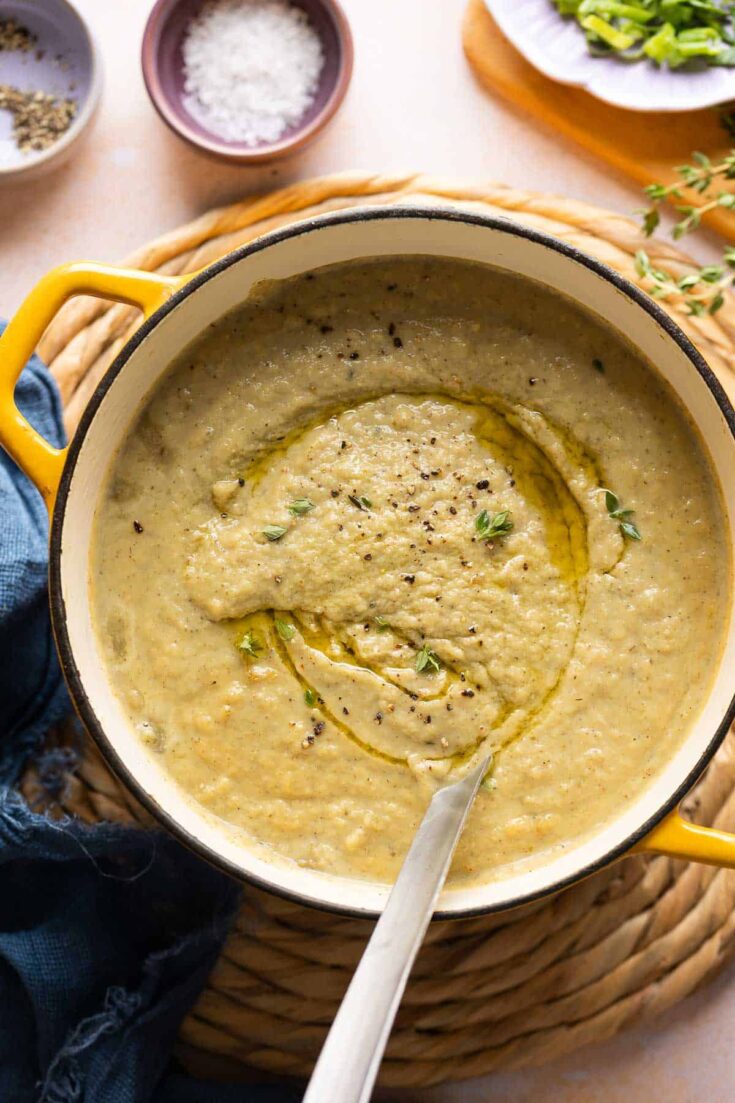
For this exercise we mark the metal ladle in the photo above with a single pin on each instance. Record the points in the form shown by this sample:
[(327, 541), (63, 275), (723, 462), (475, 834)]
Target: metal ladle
[(350, 1058)]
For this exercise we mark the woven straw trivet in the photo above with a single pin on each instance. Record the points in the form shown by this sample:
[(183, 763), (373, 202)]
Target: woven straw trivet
[(486, 993)]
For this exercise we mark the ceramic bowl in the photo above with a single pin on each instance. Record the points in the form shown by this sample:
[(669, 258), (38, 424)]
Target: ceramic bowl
[(177, 310), (163, 72), (556, 46), (65, 62)]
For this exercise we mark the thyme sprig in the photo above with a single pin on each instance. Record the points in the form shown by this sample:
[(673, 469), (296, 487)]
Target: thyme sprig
[(700, 177), (702, 290), (661, 31)]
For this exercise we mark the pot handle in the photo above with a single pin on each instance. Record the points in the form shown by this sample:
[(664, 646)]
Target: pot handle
[(679, 838), (42, 462)]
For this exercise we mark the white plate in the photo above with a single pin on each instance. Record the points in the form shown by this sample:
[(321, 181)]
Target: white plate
[(556, 46)]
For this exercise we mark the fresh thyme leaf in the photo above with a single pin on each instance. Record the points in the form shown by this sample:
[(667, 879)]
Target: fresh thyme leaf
[(300, 506), (651, 219), (285, 630), (612, 502), (361, 502), (490, 528), (427, 660), (630, 529), (274, 532), (622, 516), (310, 698), (382, 624), (711, 273), (250, 645)]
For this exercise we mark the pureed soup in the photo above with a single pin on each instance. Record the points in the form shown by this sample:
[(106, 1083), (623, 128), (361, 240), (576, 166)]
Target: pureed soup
[(386, 516)]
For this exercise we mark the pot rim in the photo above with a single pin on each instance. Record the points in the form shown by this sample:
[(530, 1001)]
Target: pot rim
[(70, 670)]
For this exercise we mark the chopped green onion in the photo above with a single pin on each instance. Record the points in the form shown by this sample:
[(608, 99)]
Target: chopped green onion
[(666, 32), (605, 31)]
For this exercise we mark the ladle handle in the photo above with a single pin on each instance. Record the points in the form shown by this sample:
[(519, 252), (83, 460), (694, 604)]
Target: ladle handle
[(349, 1061)]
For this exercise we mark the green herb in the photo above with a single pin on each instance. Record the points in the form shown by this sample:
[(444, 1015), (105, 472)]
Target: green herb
[(702, 289), (250, 645), (727, 119), (300, 506), (666, 32), (598, 365), (310, 698), (427, 660), (489, 783), (630, 529), (274, 532), (285, 630), (360, 502), (39, 118), (491, 528), (622, 516), (382, 624)]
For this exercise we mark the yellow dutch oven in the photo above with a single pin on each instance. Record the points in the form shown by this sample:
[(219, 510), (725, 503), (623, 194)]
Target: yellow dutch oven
[(176, 311)]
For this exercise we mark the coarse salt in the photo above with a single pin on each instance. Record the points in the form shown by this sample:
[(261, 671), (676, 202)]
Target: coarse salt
[(251, 68)]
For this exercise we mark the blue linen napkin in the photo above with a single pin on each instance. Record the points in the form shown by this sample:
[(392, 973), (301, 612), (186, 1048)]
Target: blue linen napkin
[(107, 933)]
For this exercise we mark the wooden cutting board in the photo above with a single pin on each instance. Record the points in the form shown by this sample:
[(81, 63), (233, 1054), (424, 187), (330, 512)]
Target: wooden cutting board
[(646, 146)]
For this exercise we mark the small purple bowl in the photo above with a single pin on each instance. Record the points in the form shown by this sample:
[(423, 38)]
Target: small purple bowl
[(164, 78)]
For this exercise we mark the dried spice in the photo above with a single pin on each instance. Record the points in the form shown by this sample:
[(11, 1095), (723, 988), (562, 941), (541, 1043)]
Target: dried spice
[(39, 118), (13, 36)]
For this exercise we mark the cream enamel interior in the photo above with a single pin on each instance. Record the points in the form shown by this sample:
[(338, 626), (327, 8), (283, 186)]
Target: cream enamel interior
[(327, 241)]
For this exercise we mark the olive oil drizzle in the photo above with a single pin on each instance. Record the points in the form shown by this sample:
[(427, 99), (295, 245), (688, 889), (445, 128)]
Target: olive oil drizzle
[(323, 641), (281, 648), (498, 428)]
